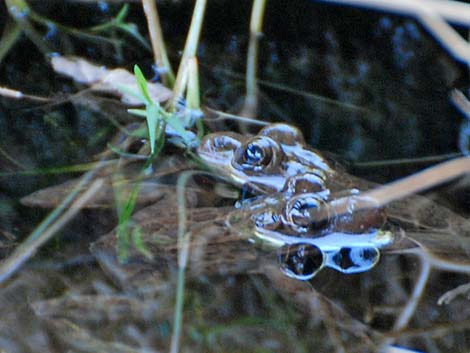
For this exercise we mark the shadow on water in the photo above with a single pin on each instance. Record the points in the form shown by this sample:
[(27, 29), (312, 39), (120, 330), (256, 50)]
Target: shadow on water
[(362, 85)]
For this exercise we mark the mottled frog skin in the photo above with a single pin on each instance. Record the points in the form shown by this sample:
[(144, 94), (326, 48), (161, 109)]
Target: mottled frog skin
[(264, 162)]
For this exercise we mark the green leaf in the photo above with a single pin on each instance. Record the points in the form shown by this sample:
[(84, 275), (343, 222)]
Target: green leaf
[(138, 241), (142, 84), (152, 122), (122, 13), (132, 30), (139, 112), (122, 242)]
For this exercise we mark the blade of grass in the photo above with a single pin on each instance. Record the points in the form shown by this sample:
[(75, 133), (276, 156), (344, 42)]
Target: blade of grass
[(297, 92), (154, 114), (142, 84), (11, 33), (59, 170), (21, 14), (51, 225), (404, 161), (184, 239), (409, 309), (118, 22)]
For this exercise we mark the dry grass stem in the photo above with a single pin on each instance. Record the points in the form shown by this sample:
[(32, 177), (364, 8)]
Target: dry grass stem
[(461, 102), (410, 308), (227, 116), (452, 11), (11, 93), (190, 49), (431, 14), (457, 46), (401, 188), (193, 99), (450, 295), (157, 42)]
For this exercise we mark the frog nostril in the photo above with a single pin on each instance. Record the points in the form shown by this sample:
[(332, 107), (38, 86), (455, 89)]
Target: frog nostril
[(224, 143), (267, 220), (215, 143)]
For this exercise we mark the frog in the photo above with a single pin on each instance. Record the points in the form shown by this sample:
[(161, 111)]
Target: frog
[(266, 161)]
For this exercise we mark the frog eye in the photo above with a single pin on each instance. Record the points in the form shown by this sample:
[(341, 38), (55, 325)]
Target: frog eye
[(307, 212), (283, 134), (301, 261), (354, 260), (259, 155), (304, 183)]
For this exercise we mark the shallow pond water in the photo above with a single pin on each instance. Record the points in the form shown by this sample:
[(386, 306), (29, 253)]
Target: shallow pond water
[(363, 85)]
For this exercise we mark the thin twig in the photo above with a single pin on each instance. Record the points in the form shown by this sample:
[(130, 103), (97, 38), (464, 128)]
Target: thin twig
[(401, 188), (406, 314), (457, 46), (453, 11)]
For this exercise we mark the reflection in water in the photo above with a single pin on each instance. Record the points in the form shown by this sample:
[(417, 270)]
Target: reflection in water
[(230, 303), (373, 305)]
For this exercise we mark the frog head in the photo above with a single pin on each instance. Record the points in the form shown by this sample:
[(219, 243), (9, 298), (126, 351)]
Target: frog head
[(266, 161)]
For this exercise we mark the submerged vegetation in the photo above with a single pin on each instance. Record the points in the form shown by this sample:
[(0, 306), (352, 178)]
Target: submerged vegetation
[(174, 243)]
